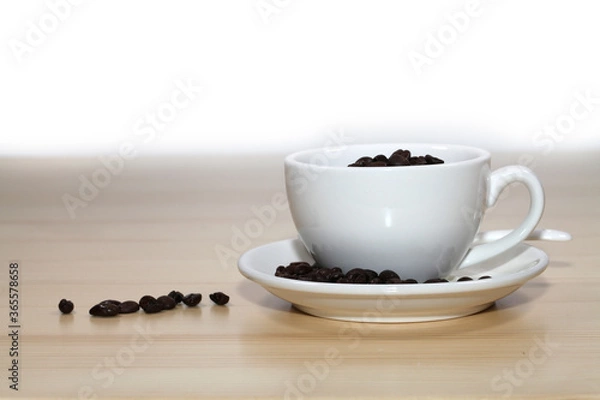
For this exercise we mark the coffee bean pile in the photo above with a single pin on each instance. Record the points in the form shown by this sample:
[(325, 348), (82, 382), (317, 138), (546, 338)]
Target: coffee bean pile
[(149, 304), (304, 271), (399, 158)]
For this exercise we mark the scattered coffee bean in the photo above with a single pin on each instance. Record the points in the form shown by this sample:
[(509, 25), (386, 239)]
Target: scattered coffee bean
[(177, 296), (145, 300), (150, 305), (104, 310), (219, 298), (192, 299), (464, 279), (399, 158), (111, 301), (65, 306), (128, 307), (167, 302)]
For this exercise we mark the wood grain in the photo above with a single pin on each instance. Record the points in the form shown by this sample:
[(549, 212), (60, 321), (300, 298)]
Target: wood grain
[(156, 226)]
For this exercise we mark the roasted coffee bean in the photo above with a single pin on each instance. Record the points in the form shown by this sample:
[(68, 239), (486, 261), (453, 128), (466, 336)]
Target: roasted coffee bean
[(387, 275), (436, 280), (65, 306), (128, 307), (324, 275), (167, 302), (409, 281), (361, 162), (420, 160), (464, 279), (377, 164), (433, 160), (358, 278), (485, 277), (150, 305), (380, 157), (393, 280), (403, 153), (219, 298), (370, 273), (376, 281), (299, 268), (145, 300), (357, 275), (111, 301), (396, 160), (104, 310), (175, 295), (192, 299)]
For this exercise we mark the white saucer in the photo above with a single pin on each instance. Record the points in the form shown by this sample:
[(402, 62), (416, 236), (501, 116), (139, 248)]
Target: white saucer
[(395, 302)]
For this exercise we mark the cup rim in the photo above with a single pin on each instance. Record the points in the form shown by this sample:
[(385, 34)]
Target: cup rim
[(482, 155)]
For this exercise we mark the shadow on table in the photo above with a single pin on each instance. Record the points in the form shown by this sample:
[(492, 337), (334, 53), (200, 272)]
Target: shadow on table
[(506, 311)]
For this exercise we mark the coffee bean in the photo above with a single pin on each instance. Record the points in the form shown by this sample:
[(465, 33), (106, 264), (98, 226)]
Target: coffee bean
[(111, 301), (388, 274), (104, 310), (65, 306), (464, 279), (396, 160), (150, 305), (485, 277), (419, 160), (436, 280), (358, 275), (380, 157), (433, 160), (377, 164), (402, 153), (323, 275), (128, 307), (192, 299), (300, 268), (145, 300), (175, 295), (219, 298), (370, 274), (409, 281), (393, 281), (167, 302)]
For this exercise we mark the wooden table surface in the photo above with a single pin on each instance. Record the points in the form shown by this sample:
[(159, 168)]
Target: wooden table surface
[(156, 226)]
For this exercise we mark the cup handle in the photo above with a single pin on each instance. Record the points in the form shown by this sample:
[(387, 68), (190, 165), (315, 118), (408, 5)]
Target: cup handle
[(498, 181)]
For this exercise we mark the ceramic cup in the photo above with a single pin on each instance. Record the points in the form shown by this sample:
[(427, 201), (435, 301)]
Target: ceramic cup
[(419, 221)]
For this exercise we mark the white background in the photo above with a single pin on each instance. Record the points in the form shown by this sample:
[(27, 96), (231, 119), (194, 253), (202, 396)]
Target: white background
[(288, 76)]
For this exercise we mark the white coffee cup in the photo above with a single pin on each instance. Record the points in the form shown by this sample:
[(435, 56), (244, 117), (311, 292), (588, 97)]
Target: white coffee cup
[(419, 221)]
